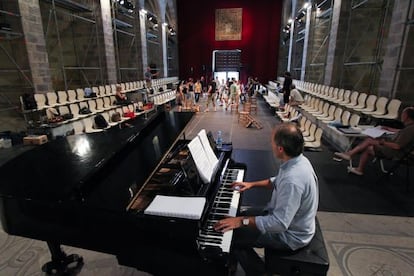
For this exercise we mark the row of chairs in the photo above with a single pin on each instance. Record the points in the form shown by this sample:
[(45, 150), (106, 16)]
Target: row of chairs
[(328, 113), (312, 134), (104, 105), (163, 98), (272, 99), (87, 124), (369, 105), (53, 99)]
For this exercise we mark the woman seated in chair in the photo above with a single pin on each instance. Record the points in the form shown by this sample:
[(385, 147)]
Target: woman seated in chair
[(120, 97), (382, 148)]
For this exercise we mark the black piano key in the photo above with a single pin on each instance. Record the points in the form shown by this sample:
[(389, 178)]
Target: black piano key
[(212, 240), (212, 233), (222, 205)]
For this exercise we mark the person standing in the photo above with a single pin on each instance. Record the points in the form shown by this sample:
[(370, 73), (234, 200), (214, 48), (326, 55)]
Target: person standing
[(191, 93), (203, 85), (211, 92), (288, 221), (287, 83), (233, 93), (197, 90)]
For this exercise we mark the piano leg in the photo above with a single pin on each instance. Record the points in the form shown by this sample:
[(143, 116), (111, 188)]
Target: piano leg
[(62, 264)]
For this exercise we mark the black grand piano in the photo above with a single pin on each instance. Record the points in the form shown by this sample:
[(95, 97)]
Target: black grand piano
[(91, 190)]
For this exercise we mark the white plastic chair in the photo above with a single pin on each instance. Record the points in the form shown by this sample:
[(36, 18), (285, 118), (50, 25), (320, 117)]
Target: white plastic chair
[(101, 91), (354, 120), (361, 101), (392, 110), (62, 97), (74, 109), (370, 104), (311, 134), (316, 143), (80, 94), (72, 96), (345, 117), (379, 107), (92, 106), (78, 127), (353, 100), (40, 101), (88, 122), (51, 99)]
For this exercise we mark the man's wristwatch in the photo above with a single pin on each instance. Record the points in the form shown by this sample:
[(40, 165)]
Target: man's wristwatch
[(245, 221)]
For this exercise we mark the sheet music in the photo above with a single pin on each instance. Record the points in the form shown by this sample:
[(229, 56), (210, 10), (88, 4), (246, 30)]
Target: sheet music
[(177, 207), (203, 156), (376, 132), (207, 147), (200, 159)]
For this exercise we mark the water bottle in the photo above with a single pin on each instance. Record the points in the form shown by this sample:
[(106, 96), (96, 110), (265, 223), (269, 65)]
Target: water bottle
[(219, 142)]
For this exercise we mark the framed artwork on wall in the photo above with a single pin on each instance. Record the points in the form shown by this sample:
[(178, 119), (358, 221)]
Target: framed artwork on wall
[(228, 24)]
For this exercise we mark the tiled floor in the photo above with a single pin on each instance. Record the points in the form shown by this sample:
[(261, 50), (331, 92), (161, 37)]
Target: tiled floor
[(358, 244)]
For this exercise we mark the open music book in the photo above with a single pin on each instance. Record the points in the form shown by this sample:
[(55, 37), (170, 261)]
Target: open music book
[(176, 206), (203, 156)]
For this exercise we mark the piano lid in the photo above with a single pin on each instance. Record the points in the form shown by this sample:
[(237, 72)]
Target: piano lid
[(53, 171)]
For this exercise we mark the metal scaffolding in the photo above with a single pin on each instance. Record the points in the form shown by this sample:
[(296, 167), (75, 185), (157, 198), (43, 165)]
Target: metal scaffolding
[(364, 45), (73, 44)]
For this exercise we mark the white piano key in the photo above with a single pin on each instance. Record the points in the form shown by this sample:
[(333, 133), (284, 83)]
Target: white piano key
[(236, 175)]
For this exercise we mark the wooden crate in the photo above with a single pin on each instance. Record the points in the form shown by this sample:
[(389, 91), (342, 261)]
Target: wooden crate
[(35, 140)]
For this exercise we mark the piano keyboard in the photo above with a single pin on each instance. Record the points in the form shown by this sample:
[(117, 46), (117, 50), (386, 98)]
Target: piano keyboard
[(225, 204)]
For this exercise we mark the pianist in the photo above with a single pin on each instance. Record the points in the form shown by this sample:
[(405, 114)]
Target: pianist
[(288, 221)]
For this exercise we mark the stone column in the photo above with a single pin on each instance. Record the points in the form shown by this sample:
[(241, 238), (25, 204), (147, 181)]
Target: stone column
[(292, 33), (36, 45), (306, 42), (164, 50), (143, 31), (108, 41), (393, 83), (337, 42)]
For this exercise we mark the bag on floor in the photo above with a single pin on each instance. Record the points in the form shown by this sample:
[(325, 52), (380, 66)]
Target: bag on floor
[(100, 121)]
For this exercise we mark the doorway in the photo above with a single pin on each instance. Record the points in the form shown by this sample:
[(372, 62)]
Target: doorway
[(226, 75)]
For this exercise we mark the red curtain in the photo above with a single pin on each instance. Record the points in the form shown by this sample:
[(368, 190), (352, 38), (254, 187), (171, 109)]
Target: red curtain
[(259, 44)]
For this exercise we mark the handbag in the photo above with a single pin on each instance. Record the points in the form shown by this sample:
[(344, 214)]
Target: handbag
[(116, 117), (129, 114)]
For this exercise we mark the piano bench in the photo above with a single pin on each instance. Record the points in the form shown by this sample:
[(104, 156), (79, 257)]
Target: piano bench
[(310, 260)]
